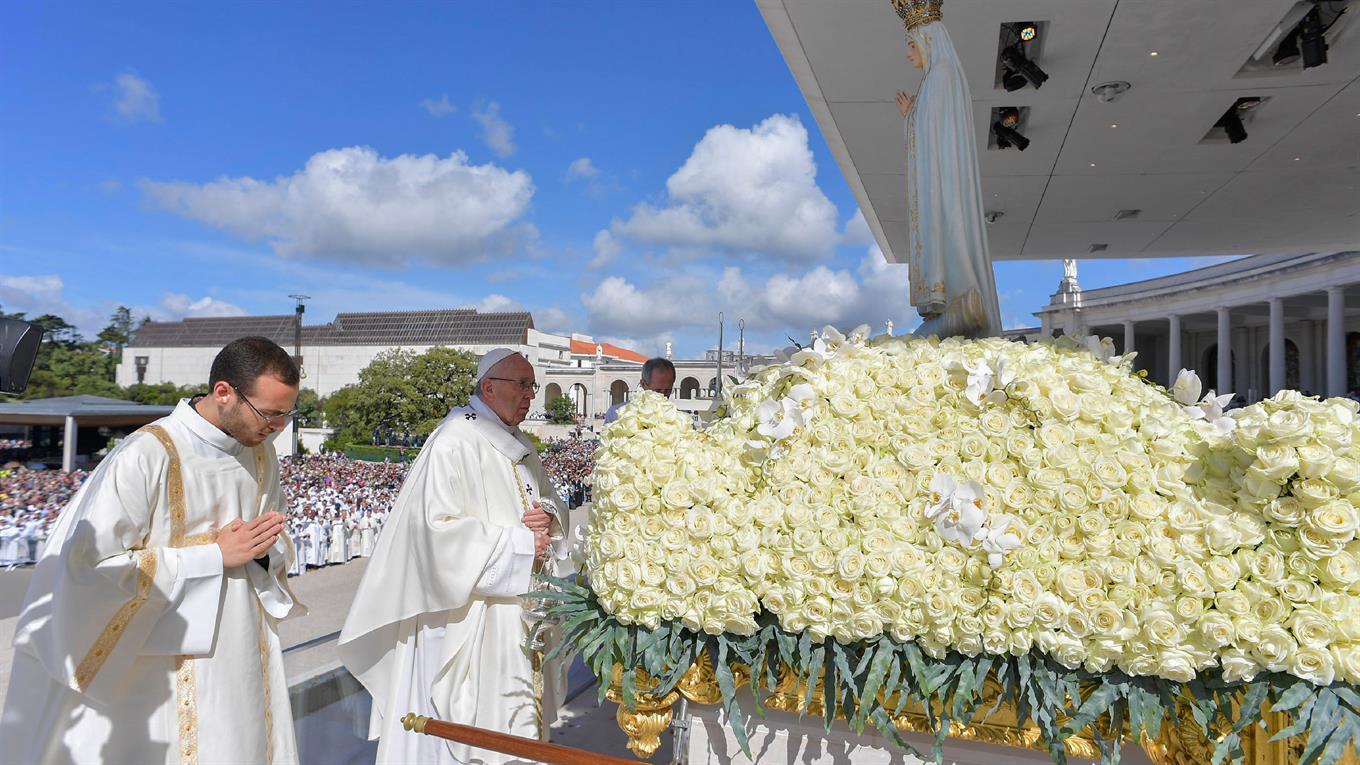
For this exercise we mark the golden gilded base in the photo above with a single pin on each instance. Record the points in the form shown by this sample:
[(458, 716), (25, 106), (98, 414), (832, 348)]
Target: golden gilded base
[(1179, 743)]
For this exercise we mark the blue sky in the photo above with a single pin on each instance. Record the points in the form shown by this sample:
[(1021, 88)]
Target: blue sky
[(621, 169)]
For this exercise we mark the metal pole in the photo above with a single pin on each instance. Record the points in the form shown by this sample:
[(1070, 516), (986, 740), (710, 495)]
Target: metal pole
[(717, 388), (297, 354), (741, 348)]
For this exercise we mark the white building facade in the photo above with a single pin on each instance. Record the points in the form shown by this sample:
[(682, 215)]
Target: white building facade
[(1291, 322)]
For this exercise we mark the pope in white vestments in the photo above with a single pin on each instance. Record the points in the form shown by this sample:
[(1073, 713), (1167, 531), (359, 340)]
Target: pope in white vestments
[(149, 630), (436, 627)]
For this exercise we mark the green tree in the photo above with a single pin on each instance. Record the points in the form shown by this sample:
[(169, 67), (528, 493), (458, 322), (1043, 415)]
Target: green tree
[(58, 331), (82, 369), (403, 391), (161, 394), (118, 333), (309, 409), (561, 410)]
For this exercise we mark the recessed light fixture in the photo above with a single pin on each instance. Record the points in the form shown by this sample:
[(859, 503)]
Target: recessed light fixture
[(1296, 159), (1093, 164), (1152, 53), (1113, 125)]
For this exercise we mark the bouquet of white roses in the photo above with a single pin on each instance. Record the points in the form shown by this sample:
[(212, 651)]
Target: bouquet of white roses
[(989, 500)]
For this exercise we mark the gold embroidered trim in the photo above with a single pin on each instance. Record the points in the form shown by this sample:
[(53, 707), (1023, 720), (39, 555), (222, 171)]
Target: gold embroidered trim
[(534, 660), (174, 481), (206, 538), (186, 690), (260, 478), (103, 645), (186, 705), (264, 679)]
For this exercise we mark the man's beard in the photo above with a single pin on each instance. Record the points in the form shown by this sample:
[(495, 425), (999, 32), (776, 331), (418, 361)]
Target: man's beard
[(241, 427)]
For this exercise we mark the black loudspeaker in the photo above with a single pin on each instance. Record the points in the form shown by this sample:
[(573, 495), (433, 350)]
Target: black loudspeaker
[(19, 343)]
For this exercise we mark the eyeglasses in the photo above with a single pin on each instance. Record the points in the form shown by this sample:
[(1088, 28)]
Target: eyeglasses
[(522, 385), (269, 419)]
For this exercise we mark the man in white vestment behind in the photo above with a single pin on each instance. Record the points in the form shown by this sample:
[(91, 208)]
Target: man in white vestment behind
[(149, 631), (436, 627), (368, 535), (339, 548)]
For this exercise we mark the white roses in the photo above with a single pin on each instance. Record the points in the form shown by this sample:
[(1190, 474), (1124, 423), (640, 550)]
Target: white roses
[(993, 496)]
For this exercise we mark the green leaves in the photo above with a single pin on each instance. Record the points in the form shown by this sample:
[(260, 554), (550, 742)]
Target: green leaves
[(874, 681)]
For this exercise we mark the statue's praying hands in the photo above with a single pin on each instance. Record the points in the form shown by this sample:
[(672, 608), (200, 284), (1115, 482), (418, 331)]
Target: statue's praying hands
[(905, 102)]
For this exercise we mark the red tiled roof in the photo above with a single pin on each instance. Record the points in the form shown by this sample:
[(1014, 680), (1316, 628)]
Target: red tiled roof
[(612, 351)]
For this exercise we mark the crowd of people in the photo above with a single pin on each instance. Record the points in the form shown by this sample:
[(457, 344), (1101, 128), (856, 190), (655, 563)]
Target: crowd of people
[(569, 462), (29, 503), (336, 505)]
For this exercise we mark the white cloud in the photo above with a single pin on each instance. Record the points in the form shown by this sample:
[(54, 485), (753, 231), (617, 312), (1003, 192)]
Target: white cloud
[(618, 307), (606, 249), (110, 186), (857, 231), (554, 319), (498, 134), (351, 204), (136, 100), (785, 304), (439, 108), (743, 191), (581, 168), (34, 296), (177, 305), (496, 302)]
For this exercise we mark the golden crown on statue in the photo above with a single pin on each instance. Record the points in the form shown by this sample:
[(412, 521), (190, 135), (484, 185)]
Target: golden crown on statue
[(914, 13)]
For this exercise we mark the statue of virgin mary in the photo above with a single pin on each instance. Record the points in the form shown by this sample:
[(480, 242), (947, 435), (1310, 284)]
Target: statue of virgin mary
[(952, 285)]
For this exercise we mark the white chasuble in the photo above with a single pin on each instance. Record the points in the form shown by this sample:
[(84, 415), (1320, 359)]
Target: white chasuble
[(436, 627), (135, 645), (339, 548)]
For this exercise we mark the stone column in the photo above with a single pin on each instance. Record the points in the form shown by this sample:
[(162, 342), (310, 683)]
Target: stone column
[(1173, 356), (1225, 368), (68, 445), (1336, 341), (1129, 337), (1276, 383)]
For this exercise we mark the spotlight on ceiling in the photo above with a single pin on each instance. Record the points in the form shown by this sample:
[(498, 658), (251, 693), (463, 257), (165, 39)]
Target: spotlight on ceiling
[(1017, 63), (1005, 132), (1231, 122), (1312, 44), (1288, 52), (1027, 31)]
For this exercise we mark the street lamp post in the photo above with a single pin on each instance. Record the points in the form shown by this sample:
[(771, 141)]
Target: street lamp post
[(717, 386), (297, 354)]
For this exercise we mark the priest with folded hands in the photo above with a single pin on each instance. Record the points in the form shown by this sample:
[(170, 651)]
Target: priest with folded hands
[(149, 634)]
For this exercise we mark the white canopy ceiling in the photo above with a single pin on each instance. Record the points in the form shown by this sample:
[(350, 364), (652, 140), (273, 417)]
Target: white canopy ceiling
[(1293, 185)]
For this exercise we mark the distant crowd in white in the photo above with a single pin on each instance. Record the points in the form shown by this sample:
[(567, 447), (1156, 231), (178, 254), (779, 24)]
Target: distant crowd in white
[(337, 506)]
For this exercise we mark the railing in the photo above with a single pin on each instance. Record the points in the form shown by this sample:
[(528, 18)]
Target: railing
[(518, 746)]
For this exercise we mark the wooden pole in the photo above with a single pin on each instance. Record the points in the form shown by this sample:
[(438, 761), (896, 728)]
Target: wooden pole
[(551, 754)]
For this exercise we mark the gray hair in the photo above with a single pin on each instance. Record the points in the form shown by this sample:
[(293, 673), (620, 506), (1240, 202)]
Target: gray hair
[(654, 364)]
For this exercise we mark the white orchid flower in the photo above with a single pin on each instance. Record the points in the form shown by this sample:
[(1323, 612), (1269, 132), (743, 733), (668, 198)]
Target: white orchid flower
[(1102, 347), (979, 383), (942, 489), (1004, 375), (819, 351), (963, 522), (997, 541), (956, 508), (859, 335), (804, 398), (778, 419), (986, 383), (1187, 388)]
